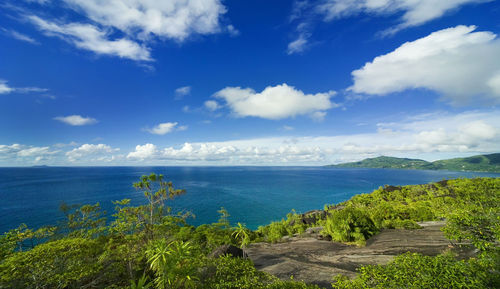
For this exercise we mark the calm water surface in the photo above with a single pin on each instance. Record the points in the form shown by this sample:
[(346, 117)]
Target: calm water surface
[(252, 195)]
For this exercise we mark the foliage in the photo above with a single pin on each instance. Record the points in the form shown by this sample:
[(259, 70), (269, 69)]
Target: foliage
[(174, 264), (412, 270), (290, 226), (23, 238), (149, 242), (66, 263), (85, 221), (142, 283), (228, 273), (242, 233), (350, 225)]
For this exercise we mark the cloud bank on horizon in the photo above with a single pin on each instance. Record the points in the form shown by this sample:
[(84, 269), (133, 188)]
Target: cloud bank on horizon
[(417, 136), (201, 82)]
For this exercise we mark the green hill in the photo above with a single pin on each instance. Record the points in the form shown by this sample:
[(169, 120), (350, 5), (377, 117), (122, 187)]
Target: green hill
[(479, 163)]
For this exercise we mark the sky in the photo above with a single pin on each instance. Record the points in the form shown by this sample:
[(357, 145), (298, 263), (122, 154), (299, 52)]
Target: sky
[(213, 82)]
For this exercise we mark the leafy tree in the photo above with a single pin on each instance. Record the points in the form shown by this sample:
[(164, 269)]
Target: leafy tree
[(241, 232), (156, 191), (83, 221)]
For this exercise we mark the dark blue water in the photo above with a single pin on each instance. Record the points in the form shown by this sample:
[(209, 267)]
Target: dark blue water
[(252, 195)]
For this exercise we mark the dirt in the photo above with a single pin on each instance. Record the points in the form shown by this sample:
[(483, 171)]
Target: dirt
[(316, 261)]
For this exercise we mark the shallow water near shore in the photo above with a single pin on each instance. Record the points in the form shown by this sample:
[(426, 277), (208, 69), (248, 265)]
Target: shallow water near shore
[(252, 195)]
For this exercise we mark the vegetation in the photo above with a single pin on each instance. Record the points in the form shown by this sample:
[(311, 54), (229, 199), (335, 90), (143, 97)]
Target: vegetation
[(150, 247), (142, 247), (411, 270), (479, 163), (471, 208)]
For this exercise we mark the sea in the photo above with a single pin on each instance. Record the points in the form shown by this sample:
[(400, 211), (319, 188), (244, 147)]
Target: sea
[(253, 196)]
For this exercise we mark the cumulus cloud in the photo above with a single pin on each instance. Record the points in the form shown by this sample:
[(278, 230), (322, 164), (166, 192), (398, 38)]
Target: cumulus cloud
[(414, 13), (212, 105), (93, 150), (182, 91), (76, 120), (142, 152), (461, 64), (90, 37), (275, 102), (166, 127), (30, 154)]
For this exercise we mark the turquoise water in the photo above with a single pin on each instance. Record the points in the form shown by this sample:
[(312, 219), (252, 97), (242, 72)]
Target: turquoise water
[(252, 195)]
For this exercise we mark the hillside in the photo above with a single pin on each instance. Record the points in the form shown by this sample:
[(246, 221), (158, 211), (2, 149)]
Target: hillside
[(479, 163)]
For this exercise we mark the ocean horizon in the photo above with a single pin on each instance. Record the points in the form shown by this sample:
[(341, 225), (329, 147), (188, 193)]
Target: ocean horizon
[(253, 195)]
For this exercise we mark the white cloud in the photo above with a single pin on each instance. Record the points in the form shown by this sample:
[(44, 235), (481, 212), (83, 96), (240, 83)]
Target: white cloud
[(19, 36), (275, 102), (174, 19), (298, 45), (76, 120), (86, 150), (457, 62), (182, 91), (139, 21), (288, 128), (90, 37), (167, 127), (212, 105), (301, 42), (143, 152), (415, 12), (431, 136), (4, 88), (232, 30), (23, 153)]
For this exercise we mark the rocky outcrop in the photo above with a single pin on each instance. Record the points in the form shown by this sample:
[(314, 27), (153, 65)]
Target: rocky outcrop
[(228, 250), (317, 261)]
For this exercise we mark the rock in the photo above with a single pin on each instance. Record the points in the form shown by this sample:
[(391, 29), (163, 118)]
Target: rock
[(313, 230), (228, 250), (310, 218), (317, 261)]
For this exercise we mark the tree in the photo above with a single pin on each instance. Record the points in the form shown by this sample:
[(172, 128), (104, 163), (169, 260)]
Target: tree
[(156, 191), (241, 232)]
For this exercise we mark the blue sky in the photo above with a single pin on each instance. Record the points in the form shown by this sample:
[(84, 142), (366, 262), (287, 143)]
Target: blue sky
[(210, 82)]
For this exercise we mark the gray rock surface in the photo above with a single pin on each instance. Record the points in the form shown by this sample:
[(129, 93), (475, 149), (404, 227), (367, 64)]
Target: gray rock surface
[(228, 250), (317, 261)]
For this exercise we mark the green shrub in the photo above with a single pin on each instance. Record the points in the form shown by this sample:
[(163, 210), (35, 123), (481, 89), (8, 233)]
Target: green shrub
[(350, 224), (66, 263), (234, 273), (412, 270), (274, 231)]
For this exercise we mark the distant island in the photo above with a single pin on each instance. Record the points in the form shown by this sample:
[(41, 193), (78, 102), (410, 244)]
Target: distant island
[(479, 163)]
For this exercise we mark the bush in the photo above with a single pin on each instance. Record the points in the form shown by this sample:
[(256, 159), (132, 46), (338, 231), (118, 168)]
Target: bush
[(66, 263), (412, 270), (230, 273), (274, 231), (350, 225)]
